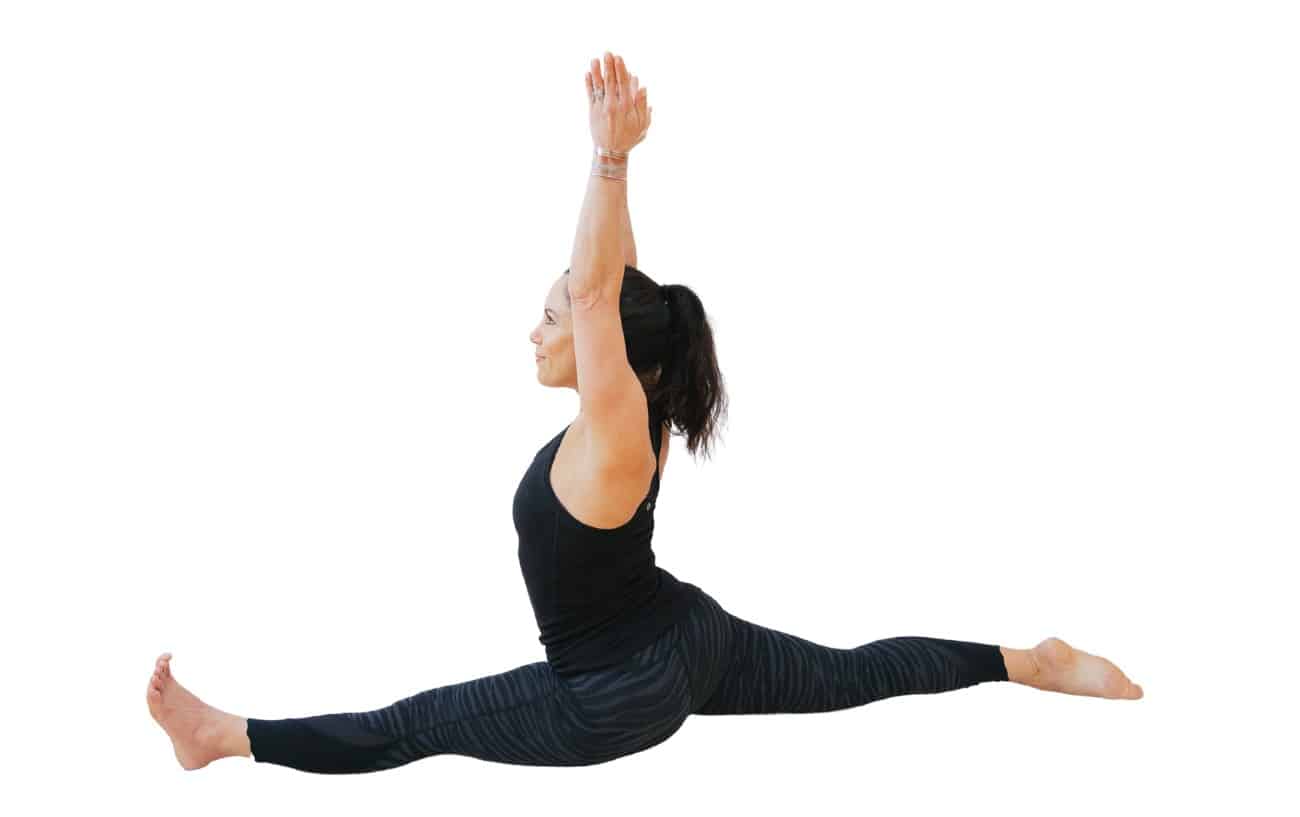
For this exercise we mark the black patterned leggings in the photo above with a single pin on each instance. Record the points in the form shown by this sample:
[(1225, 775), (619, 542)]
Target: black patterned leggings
[(712, 663)]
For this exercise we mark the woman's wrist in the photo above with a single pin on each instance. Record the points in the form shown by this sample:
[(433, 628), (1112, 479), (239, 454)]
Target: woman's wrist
[(610, 164)]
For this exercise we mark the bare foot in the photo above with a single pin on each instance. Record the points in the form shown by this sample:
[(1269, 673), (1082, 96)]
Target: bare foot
[(197, 730), (1062, 668)]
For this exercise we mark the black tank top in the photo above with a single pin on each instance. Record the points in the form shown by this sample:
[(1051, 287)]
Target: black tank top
[(597, 594)]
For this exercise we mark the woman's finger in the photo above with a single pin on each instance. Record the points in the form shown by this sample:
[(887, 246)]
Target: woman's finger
[(623, 80), (597, 81), (591, 90), (611, 76)]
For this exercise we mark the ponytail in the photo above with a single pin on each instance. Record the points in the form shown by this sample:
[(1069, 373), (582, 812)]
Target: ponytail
[(690, 392)]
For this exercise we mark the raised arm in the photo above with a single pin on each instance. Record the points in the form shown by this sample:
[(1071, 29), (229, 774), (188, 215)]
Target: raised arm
[(612, 399)]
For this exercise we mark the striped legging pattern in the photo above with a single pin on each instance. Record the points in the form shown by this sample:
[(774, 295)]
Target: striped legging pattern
[(710, 663)]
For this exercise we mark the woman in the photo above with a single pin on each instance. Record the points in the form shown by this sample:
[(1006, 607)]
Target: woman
[(631, 650)]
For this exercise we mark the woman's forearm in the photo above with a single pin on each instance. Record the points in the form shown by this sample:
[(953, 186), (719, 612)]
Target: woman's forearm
[(629, 245), (598, 248)]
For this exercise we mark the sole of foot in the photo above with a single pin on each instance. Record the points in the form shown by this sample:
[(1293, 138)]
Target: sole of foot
[(195, 728), (1063, 668)]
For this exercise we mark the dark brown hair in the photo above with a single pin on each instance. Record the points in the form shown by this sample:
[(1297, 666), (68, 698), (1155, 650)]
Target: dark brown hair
[(670, 347)]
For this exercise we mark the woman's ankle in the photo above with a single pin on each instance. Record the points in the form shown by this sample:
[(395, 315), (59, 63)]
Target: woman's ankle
[(230, 736), (1022, 668)]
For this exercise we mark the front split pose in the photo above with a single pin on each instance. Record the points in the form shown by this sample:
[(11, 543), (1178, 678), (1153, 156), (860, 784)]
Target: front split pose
[(631, 651)]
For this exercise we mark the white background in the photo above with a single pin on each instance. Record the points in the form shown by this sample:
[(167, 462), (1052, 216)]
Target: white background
[(1003, 299)]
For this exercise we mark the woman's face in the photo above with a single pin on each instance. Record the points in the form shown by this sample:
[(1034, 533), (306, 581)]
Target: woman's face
[(553, 338)]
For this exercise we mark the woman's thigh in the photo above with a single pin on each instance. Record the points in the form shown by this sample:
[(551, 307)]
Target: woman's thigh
[(706, 645)]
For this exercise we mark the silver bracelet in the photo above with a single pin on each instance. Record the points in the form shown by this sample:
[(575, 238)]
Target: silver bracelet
[(612, 171)]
